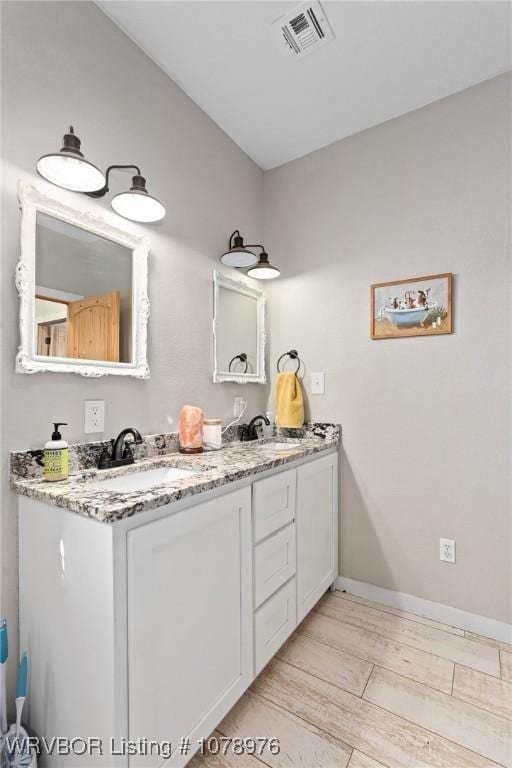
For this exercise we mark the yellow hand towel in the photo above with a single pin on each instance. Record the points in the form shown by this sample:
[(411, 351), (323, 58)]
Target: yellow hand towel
[(289, 405)]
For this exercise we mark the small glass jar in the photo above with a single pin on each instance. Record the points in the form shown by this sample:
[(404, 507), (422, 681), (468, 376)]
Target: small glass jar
[(212, 434)]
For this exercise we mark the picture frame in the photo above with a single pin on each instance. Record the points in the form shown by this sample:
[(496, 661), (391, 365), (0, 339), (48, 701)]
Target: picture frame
[(422, 308)]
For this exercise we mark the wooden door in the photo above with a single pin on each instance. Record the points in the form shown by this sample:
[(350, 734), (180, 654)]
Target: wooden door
[(93, 327), (317, 531), (190, 646)]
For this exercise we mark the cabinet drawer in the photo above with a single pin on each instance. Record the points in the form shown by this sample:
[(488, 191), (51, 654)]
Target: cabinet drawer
[(273, 503), (273, 624), (274, 563)]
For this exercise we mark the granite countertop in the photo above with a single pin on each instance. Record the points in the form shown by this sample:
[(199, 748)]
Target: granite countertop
[(235, 461)]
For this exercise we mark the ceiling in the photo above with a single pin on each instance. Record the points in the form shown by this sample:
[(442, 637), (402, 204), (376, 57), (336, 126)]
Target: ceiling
[(388, 58)]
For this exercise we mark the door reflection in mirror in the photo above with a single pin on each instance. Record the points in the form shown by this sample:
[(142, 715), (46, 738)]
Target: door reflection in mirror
[(83, 294)]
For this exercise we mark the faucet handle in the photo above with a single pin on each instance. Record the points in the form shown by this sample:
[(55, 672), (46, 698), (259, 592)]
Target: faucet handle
[(127, 452), (105, 459)]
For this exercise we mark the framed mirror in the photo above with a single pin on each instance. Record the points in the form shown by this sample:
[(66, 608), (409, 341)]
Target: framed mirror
[(238, 331), (82, 285)]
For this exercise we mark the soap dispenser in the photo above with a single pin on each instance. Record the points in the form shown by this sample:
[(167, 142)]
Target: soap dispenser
[(55, 455)]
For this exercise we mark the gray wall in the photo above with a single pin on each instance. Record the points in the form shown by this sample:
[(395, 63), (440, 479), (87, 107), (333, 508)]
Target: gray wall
[(426, 421), (67, 63)]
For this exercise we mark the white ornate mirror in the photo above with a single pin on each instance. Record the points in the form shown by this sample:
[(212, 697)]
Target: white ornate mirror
[(238, 331), (82, 284)]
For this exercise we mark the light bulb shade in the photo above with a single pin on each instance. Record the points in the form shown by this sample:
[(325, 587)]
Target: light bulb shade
[(238, 256), (137, 205), (263, 270), (69, 169)]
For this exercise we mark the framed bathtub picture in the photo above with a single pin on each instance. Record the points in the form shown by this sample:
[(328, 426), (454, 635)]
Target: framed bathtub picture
[(419, 306)]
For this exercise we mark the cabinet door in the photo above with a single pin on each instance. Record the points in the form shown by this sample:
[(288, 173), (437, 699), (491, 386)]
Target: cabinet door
[(189, 622), (317, 531)]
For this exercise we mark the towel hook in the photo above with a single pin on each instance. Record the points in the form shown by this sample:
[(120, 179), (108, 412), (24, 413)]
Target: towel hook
[(293, 355), (243, 358)]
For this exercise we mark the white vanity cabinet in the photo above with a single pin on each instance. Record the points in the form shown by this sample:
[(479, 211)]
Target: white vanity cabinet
[(152, 627)]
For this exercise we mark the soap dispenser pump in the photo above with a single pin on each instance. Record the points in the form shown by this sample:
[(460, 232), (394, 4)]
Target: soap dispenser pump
[(55, 456)]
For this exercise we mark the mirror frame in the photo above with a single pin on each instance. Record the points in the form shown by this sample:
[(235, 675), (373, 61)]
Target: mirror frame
[(27, 361), (222, 281)]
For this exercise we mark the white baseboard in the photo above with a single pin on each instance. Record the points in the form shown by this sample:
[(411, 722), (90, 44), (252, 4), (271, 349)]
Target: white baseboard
[(472, 622)]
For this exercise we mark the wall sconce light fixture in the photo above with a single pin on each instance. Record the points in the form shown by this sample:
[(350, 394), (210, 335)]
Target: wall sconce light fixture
[(263, 270), (238, 255), (136, 204), (69, 169), (242, 256)]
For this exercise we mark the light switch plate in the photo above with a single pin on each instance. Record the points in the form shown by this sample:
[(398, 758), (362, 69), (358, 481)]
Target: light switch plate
[(94, 416), (317, 383)]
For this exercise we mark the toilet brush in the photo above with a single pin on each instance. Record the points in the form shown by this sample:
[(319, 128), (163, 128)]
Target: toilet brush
[(21, 691)]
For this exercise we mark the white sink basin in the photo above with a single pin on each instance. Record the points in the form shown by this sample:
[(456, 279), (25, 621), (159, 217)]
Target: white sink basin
[(281, 446), (141, 481)]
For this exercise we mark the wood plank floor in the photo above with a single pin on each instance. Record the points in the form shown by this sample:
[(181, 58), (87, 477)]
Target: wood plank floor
[(361, 685)]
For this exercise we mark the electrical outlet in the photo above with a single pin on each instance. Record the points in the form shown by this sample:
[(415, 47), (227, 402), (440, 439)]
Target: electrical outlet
[(239, 405), (318, 383), (94, 416), (447, 550)]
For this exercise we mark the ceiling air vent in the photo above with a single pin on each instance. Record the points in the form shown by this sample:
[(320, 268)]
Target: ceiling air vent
[(305, 29)]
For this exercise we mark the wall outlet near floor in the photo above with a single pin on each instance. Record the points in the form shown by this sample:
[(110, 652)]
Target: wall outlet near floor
[(94, 416), (447, 550), (317, 383), (239, 406)]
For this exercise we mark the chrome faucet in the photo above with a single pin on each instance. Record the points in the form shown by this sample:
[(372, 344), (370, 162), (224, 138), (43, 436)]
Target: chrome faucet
[(250, 433), (121, 452)]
